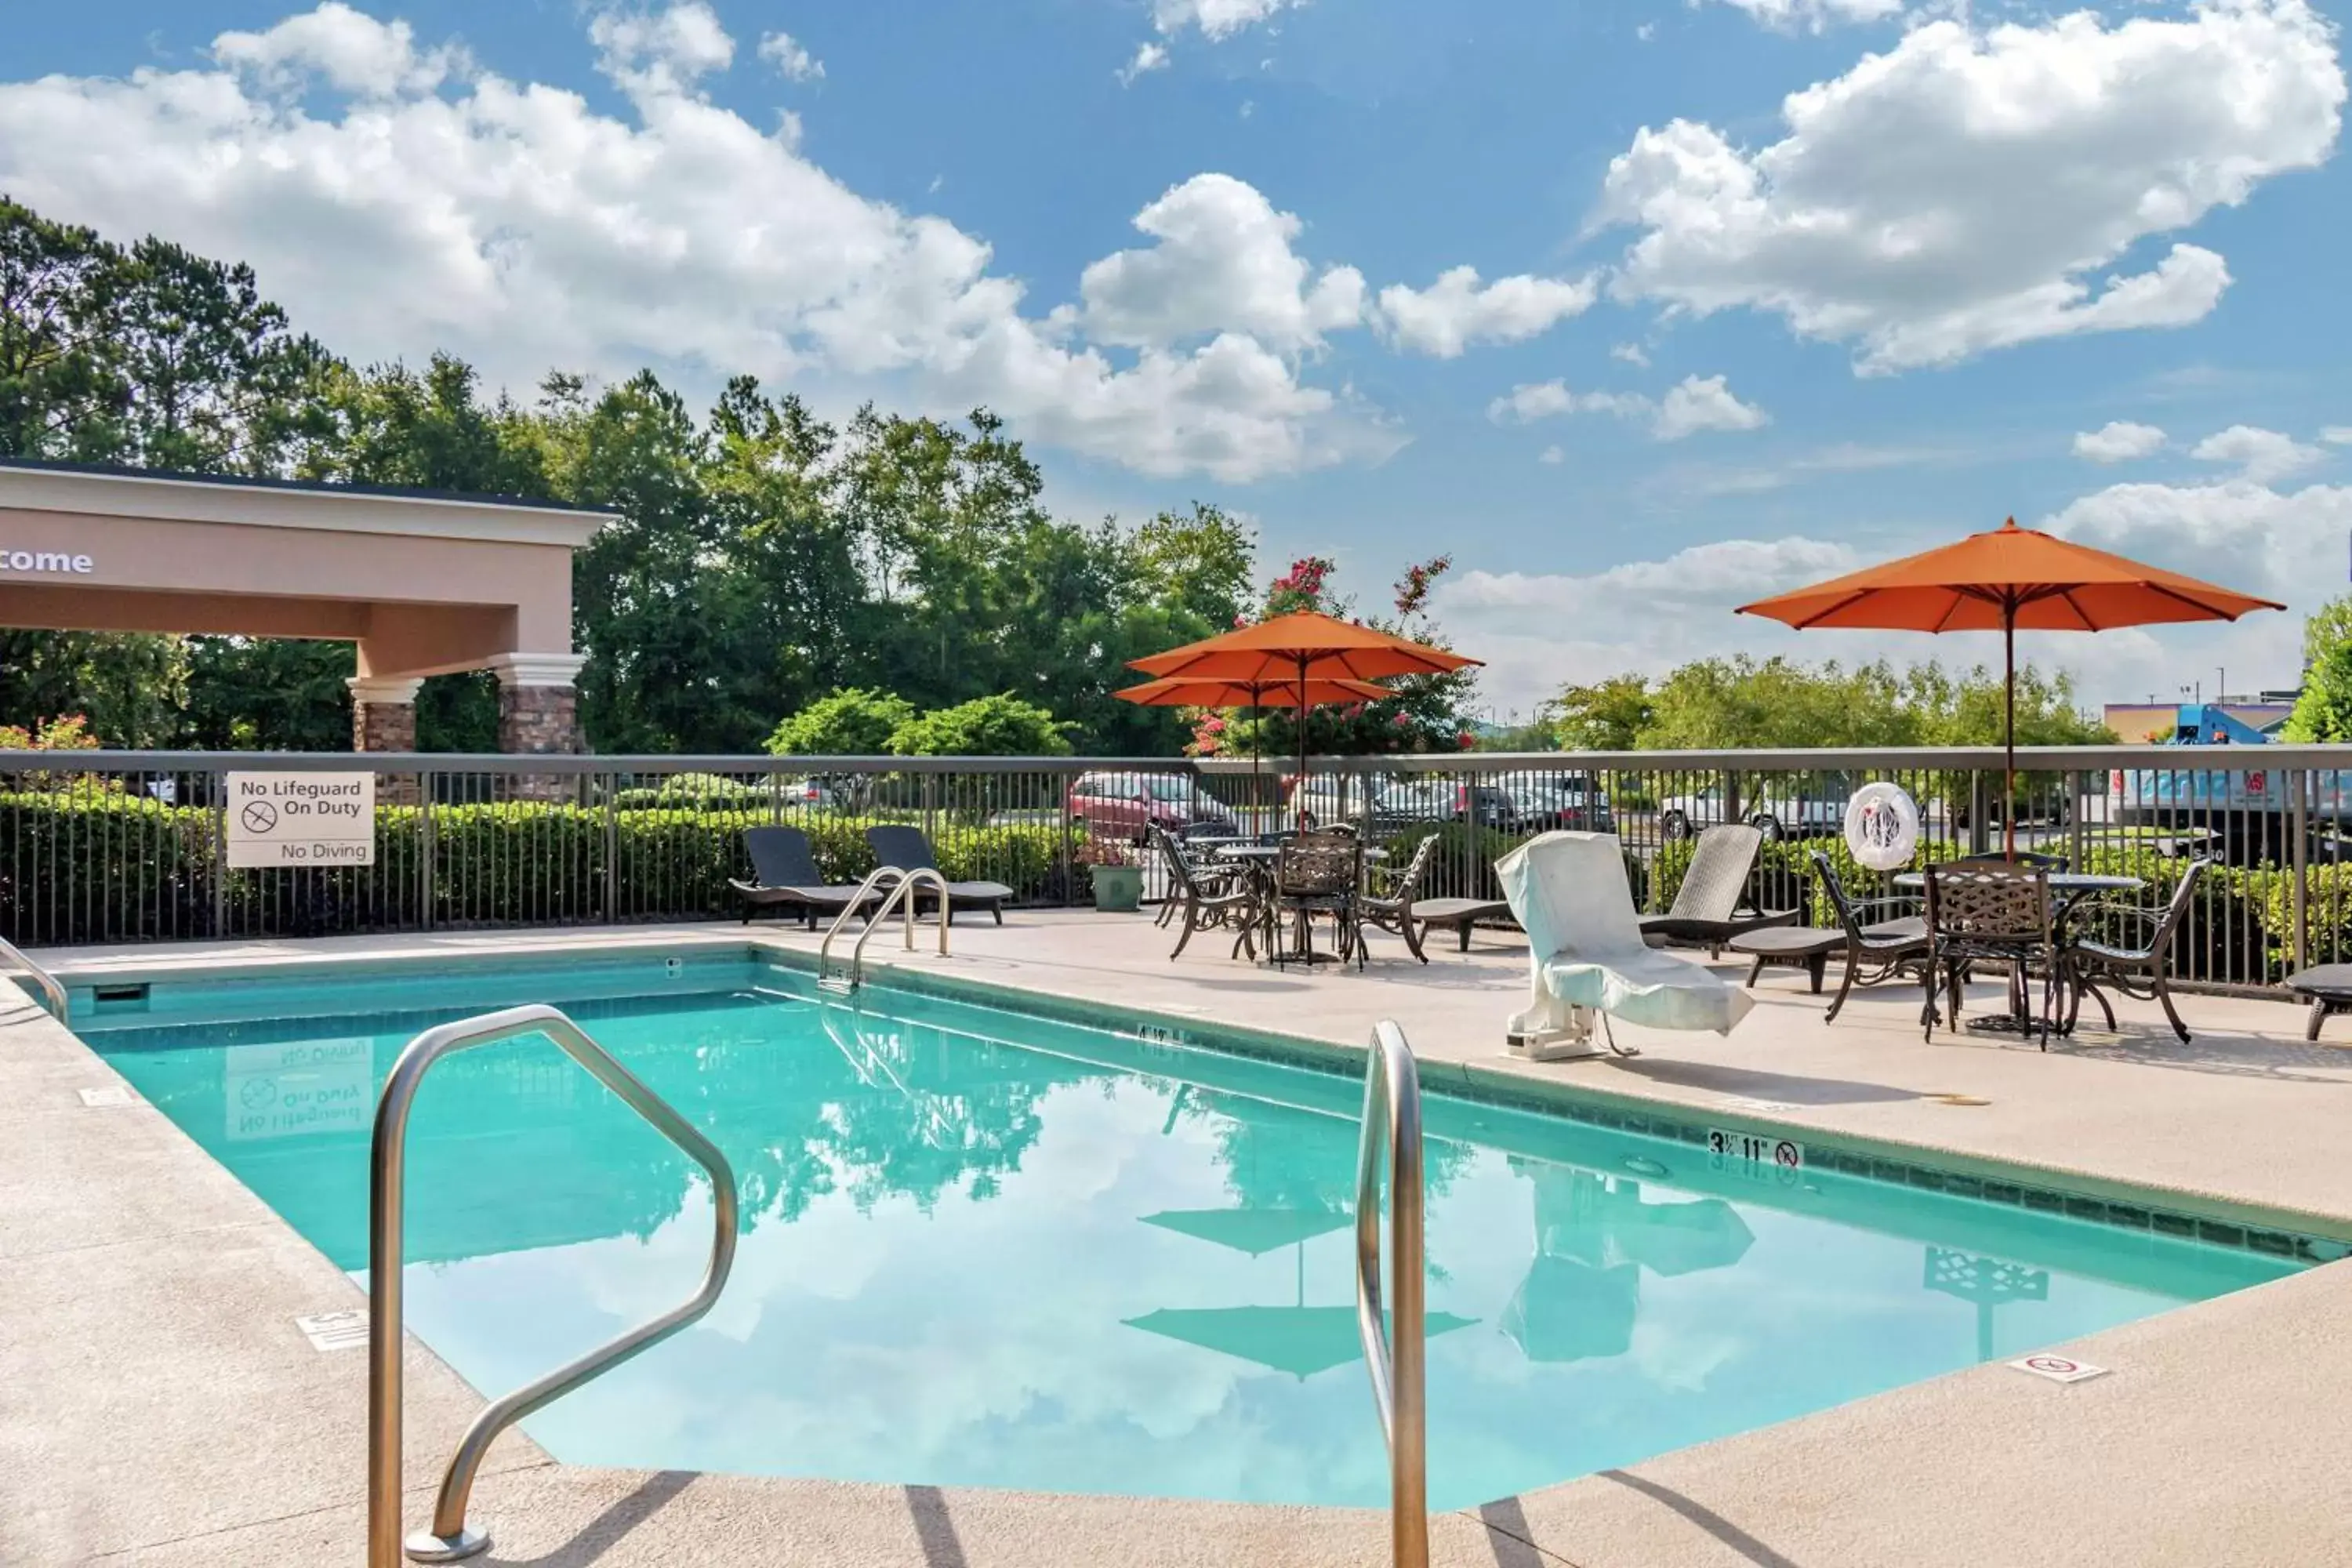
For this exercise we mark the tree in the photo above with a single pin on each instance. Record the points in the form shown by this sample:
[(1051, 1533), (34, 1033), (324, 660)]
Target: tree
[(2325, 629), (998, 726), (848, 723), (2324, 711), (130, 687), (1608, 717)]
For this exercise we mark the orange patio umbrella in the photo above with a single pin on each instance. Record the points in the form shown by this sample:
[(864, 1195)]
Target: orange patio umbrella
[(1296, 649), (1180, 691), (2006, 580)]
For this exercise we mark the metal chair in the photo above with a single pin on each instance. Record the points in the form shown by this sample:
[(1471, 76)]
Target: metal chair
[(1320, 873), (1188, 870), (1205, 905), (1987, 913), (2139, 972), (1392, 911)]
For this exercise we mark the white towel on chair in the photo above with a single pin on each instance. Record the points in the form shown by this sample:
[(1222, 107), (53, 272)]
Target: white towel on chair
[(1585, 947)]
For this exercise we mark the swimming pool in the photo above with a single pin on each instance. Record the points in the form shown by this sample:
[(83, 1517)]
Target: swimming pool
[(981, 1247)]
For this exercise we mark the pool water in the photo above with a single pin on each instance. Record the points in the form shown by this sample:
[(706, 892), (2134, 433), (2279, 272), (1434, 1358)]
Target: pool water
[(982, 1248)]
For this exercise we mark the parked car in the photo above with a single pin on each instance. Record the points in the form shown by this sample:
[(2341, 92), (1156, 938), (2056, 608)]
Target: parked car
[(1784, 806), (1405, 802), (1125, 804), (1333, 797), (1542, 802)]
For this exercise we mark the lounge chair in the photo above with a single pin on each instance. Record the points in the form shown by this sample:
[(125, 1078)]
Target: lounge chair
[(1586, 954), (1706, 906), (784, 877), (910, 850), (1875, 950)]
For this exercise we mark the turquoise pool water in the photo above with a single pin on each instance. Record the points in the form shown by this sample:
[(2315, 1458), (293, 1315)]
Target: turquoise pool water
[(982, 1248)]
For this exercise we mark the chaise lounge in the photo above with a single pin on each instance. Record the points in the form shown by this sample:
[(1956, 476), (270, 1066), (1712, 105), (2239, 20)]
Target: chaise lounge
[(910, 850), (784, 877), (1706, 907)]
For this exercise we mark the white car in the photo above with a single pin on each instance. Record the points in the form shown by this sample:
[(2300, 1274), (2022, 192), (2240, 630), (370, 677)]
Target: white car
[(1784, 806)]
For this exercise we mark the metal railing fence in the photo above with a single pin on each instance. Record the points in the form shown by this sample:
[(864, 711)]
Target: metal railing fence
[(114, 846)]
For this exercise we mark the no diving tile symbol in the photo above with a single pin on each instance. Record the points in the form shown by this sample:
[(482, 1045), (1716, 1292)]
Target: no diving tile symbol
[(335, 1331), (2058, 1368)]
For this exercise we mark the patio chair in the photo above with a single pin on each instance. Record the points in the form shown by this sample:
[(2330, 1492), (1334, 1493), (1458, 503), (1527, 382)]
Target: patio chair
[(1987, 913), (908, 849), (1874, 952), (1319, 873), (1392, 911), (784, 877), (1586, 954), (2137, 971), (1706, 906), (1188, 868), (1203, 903)]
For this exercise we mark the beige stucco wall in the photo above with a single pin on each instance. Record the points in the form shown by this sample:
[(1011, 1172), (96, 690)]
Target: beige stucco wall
[(422, 585)]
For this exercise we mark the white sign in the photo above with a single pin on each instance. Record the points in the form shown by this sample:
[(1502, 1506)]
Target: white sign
[(302, 819), (2058, 1368), (311, 1086), (1882, 826)]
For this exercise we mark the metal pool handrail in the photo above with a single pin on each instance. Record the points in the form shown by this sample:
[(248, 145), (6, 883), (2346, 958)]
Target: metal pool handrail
[(449, 1539), (1394, 1350), (901, 897), (53, 993)]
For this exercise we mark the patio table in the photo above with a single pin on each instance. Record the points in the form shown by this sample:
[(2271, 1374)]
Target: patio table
[(2067, 889), (1259, 861)]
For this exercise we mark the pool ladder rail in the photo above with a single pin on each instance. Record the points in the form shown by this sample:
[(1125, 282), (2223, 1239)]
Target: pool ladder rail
[(904, 884), (450, 1539), (53, 994), (1395, 1348)]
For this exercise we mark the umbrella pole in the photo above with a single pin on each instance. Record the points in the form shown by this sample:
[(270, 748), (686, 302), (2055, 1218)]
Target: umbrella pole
[(2008, 729), (1300, 819), (1253, 764)]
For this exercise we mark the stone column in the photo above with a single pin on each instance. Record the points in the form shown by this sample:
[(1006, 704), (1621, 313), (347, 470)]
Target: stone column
[(539, 709), (383, 719), (539, 714)]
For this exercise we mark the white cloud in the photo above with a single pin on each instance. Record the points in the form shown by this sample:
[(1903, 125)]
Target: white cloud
[(348, 50), (1215, 18), (661, 52), (1815, 16), (1149, 56), (1458, 311), (2119, 441), (405, 201), (2261, 455), (1631, 353), (1968, 190), (1692, 404), (785, 53), (2337, 435), (1223, 262), (1551, 456)]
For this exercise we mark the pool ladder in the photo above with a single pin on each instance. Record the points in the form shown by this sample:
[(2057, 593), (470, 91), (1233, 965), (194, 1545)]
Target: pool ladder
[(450, 1539), (901, 897), (1394, 1345), (53, 995)]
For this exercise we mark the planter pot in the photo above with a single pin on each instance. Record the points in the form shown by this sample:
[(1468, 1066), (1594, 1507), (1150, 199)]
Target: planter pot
[(1118, 888)]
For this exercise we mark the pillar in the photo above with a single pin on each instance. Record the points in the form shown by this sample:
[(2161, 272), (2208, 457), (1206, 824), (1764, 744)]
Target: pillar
[(383, 712), (539, 707)]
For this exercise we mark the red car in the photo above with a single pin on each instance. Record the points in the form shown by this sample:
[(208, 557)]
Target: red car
[(1125, 805)]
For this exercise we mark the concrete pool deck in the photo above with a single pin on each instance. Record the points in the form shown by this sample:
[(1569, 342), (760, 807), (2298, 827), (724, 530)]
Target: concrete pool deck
[(157, 1405)]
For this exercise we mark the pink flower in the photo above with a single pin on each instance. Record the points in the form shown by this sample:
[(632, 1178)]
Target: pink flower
[(1468, 740), (1401, 721)]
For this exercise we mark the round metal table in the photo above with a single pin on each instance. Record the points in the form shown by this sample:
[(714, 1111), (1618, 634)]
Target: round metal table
[(1260, 859)]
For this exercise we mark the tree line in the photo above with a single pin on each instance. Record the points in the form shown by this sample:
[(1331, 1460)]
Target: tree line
[(763, 558)]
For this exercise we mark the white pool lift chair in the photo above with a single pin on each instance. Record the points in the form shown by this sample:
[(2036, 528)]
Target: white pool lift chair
[(1586, 955)]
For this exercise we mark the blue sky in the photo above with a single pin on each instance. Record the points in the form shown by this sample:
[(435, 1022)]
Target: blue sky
[(1763, 288)]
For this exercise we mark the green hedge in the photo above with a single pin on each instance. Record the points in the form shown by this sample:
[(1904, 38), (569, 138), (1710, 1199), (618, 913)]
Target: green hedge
[(83, 865)]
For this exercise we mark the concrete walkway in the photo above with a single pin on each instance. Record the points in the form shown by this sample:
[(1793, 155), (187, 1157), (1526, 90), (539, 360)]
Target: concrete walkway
[(157, 1405)]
